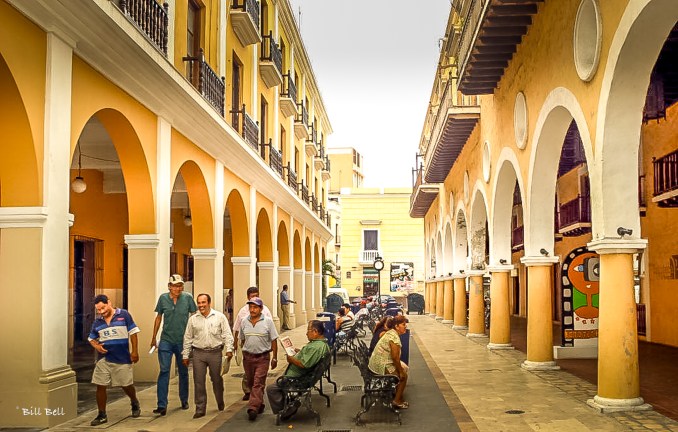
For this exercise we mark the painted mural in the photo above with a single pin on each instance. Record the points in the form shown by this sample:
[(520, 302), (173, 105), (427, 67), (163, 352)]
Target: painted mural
[(579, 280)]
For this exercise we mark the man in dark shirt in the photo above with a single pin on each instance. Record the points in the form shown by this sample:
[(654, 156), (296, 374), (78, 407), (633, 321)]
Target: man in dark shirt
[(110, 336), (285, 306)]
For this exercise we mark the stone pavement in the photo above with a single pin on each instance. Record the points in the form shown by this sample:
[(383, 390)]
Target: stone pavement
[(483, 390)]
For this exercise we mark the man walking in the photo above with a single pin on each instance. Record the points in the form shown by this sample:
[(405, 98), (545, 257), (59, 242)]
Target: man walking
[(111, 336), (207, 334), (299, 365), (175, 307), (243, 313), (259, 339), (285, 306)]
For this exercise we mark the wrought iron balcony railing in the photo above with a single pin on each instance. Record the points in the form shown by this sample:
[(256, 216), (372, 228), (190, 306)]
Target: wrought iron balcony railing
[(302, 114), (249, 6), (246, 126), (291, 177), (203, 78), (304, 193), (289, 89), (270, 51), (314, 203), (275, 160), (151, 18), (576, 211), (665, 173)]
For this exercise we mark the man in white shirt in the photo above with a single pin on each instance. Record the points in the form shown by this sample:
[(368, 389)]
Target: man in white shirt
[(207, 334), (243, 313)]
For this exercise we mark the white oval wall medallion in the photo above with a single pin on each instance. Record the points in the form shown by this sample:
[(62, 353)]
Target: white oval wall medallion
[(587, 39), (466, 191), (486, 162), (451, 203), (520, 120)]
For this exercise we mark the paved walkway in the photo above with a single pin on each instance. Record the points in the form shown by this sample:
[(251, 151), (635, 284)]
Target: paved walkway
[(480, 389)]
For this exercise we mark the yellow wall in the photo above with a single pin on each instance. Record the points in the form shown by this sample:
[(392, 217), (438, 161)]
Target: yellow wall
[(341, 169)]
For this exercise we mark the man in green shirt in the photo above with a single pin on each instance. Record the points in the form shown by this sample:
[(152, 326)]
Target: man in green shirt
[(175, 307), (300, 364)]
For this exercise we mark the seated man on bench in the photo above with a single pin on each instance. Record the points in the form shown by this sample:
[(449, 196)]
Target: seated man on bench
[(301, 364)]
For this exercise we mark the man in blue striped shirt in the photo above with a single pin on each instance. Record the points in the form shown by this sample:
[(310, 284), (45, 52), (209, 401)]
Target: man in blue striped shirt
[(110, 336)]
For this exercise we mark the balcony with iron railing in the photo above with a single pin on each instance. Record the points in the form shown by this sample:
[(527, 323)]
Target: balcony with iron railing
[(270, 62), (246, 126), (303, 190), (275, 160), (328, 219), (288, 96), (245, 21), (319, 159), (311, 146), (325, 172), (367, 257), (517, 238), (666, 180), (574, 217), (151, 18), (423, 194), (205, 80), (490, 34), (291, 178), (314, 203), (301, 122), (455, 119)]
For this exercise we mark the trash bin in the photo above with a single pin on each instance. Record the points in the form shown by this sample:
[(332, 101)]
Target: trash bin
[(328, 320), (334, 302), (415, 303), (405, 349)]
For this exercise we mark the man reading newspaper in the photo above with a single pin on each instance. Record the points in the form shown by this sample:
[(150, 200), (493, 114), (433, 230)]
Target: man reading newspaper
[(300, 364)]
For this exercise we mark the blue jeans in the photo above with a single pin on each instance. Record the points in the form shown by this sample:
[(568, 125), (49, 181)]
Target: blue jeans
[(165, 352)]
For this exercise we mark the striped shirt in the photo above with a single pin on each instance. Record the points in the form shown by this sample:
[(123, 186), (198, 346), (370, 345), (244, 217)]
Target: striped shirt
[(257, 338), (114, 336)]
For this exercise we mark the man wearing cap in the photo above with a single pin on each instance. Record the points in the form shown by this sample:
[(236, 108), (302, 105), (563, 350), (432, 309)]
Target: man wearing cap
[(243, 313), (174, 306), (258, 337)]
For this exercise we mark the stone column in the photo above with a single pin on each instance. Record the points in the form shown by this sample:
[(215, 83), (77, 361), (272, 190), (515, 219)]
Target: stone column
[(285, 278), (476, 306), (143, 287), (500, 313), (301, 297), (242, 279), (267, 291), (318, 290), (448, 301), (618, 373), (459, 302), (439, 300), (204, 274), (427, 297), (308, 290), (35, 364), (539, 313), (433, 294)]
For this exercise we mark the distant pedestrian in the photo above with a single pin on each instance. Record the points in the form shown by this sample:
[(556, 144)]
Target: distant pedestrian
[(243, 313), (111, 336), (285, 306), (259, 339), (207, 335), (173, 309)]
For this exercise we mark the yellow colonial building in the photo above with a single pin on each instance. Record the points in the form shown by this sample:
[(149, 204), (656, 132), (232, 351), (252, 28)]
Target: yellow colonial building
[(142, 139), (548, 162), (375, 223)]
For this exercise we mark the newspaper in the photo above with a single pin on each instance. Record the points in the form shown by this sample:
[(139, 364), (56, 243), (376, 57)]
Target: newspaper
[(287, 344)]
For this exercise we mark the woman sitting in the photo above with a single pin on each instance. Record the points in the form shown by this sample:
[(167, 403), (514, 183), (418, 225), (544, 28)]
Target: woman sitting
[(385, 360), (379, 330), (342, 319)]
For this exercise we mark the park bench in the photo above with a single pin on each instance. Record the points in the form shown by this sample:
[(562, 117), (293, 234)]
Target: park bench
[(297, 390), (376, 388)]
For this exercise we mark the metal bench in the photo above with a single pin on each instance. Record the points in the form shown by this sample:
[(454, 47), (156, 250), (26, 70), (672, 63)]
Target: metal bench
[(297, 390), (376, 388)]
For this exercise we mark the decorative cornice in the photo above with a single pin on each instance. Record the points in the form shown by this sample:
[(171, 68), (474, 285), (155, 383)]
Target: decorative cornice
[(266, 265), (241, 261), (142, 241), (500, 268), (530, 261), (284, 268), (617, 246), (204, 254), (23, 217)]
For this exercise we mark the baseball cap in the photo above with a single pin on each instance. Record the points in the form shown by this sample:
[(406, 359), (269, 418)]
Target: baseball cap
[(176, 279), (256, 301)]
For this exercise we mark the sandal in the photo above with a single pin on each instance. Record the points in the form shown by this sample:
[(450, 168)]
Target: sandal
[(403, 405)]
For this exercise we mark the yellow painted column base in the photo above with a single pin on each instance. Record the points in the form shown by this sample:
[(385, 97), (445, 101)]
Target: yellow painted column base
[(459, 303), (476, 307), (439, 300), (448, 302)]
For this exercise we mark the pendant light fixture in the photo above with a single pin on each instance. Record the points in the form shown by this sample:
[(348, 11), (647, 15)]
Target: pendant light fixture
[(78, 185)]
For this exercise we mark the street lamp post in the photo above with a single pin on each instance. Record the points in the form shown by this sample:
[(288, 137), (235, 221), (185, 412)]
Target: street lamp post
[(378, 266)]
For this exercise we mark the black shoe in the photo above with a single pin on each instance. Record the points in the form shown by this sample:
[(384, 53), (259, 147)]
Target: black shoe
[(160, 411), (136, 409), (99, 420), (221, 406), (262, 407), (290, 411), (198, 414), (251, 414), (246, 397), (184, 405)]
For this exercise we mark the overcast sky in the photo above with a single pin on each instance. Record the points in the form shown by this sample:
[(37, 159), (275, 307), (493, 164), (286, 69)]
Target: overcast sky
[(375, 62)]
